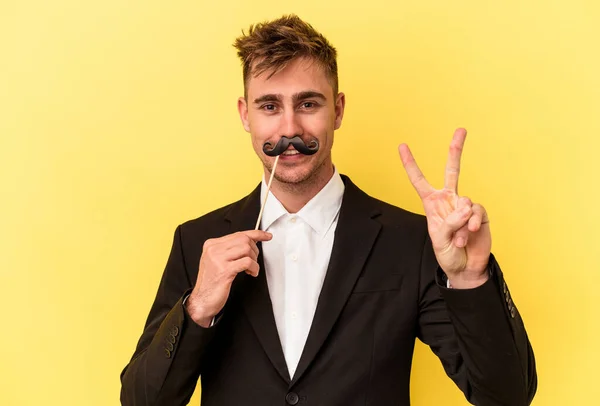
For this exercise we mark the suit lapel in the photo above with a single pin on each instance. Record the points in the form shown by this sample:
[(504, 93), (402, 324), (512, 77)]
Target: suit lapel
[(354, 237), (256, 301)]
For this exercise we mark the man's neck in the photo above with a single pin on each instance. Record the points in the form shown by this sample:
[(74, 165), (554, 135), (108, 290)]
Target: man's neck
[(295, 196)]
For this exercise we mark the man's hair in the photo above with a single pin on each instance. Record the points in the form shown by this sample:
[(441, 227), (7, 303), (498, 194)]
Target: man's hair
[(272, 45)]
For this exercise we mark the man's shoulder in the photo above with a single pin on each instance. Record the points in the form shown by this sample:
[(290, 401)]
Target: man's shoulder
[(389, 213), (394, 215), (215, 221)]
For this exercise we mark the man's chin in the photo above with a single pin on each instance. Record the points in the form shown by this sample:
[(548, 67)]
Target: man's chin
[(300, 175), (293, 178)]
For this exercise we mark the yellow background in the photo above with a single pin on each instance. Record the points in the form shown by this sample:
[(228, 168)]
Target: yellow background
[(117, 121)]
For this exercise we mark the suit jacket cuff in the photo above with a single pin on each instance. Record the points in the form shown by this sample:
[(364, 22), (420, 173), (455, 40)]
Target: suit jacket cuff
[(179, 345), (487, 305), (442, 279)]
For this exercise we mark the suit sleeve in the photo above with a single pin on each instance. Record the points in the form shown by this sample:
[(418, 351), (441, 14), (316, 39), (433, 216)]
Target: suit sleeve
[(479, 336), (166, 364)]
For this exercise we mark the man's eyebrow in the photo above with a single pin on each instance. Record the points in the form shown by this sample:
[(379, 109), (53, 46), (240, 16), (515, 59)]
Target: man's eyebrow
[(309, 94), (268, 98)]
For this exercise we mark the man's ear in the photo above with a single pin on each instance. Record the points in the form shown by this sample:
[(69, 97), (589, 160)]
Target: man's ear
[(340, 105), (243, 110)]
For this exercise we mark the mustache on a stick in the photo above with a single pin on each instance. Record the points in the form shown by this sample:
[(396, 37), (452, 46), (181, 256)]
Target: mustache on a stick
[(284, 142)]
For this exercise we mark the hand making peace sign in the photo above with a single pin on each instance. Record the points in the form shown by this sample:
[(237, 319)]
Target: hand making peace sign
[(459, 229)]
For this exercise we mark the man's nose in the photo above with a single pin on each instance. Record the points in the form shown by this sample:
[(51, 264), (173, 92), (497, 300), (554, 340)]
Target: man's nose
[(290, 124)]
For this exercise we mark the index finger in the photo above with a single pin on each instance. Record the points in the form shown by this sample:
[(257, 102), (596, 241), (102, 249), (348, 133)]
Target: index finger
[(453, 164), (415, 175)]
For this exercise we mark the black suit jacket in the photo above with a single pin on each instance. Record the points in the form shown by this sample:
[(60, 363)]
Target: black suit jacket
[(383, 289)]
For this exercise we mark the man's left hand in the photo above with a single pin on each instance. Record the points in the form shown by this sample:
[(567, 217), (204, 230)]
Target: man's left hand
[(459, 229)]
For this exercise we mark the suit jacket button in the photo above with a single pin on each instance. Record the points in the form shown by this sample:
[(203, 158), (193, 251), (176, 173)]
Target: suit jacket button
[(169, 346), (513, 311), (167, 353), (175, 331), (291, 398), (171, 339)]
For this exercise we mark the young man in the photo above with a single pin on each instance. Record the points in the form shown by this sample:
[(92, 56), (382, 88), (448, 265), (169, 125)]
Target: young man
[(323, 304)]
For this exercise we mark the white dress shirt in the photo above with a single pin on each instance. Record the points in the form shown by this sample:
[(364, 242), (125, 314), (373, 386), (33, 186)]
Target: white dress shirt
[(296, 260)]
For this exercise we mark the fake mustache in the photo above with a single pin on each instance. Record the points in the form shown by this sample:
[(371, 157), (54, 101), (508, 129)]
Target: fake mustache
[(296, 141)]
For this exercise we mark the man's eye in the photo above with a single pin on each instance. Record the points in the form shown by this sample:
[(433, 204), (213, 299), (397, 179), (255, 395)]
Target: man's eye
[(269, 107), (308, 105)]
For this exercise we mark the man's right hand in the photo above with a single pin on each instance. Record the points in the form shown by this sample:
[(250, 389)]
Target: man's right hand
[(222, 259)]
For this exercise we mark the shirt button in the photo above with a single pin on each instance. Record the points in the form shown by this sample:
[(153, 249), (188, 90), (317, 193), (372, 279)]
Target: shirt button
[(293, 219), (294, 257), (294, 315), (291, 398)]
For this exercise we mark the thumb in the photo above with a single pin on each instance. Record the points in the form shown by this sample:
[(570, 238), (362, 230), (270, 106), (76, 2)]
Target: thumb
[(455, 221), (461, 236)]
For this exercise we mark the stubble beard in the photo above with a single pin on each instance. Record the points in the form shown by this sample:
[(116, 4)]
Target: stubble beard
[(298, 182)]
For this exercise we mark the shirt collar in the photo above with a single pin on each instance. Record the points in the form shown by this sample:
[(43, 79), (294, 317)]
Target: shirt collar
[(319, 213)]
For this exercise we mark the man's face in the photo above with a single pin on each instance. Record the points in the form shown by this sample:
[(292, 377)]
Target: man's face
[(298, 100)]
